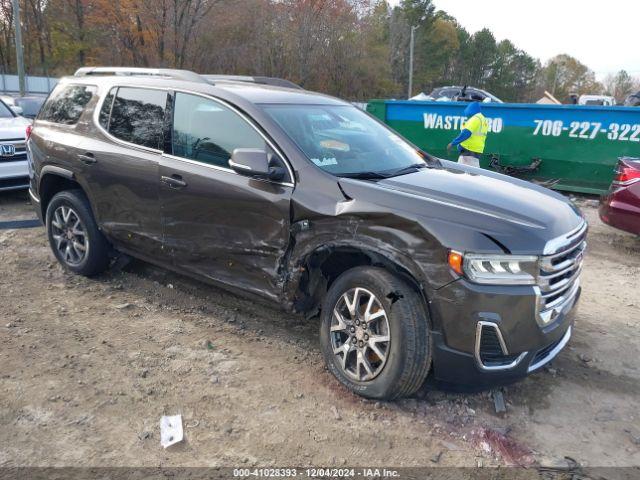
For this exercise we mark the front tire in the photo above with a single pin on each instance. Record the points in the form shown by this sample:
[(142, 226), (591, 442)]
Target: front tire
[(73, 234), (375, 334)]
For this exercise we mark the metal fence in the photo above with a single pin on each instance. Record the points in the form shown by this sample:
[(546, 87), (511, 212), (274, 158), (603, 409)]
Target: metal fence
[(37, 85)]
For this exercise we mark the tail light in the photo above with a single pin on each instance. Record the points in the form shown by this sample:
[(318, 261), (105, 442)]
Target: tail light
[(626, 174), (29, 130)]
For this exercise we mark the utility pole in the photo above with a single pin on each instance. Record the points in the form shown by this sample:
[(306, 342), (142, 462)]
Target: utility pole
[(411, 42), (18, 37), (555, 76)]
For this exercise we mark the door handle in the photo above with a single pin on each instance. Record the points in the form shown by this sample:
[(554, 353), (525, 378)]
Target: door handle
[(88, 158), (174, 181)]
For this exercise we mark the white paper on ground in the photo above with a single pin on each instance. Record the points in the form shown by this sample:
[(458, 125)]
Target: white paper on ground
[(170, 430)]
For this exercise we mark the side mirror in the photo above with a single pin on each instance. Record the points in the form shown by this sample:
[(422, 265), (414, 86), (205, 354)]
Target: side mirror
[(253, 162), (16, 109)]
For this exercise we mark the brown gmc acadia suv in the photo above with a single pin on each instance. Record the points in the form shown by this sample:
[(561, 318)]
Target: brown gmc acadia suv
[(413, 263)]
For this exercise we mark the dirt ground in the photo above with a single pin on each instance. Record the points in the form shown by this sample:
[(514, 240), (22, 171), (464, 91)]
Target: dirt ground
[(88, 367)]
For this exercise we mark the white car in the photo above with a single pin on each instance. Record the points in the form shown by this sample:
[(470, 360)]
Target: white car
[(14, 172), (11, 103)]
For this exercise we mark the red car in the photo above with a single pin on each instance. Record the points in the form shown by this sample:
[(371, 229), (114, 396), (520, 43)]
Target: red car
[(620, 207)]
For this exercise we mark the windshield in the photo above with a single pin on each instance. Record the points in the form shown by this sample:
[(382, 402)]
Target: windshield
[(345, 141), (5, 112)]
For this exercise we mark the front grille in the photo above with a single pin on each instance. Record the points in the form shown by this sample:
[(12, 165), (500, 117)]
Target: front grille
[(19, 153), (559, 273), (15, 158)]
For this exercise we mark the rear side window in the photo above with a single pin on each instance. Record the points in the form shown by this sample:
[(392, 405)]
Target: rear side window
[(137, 116), (66, 104)]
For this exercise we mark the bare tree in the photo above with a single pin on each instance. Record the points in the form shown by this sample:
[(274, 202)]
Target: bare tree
[(187, 14)]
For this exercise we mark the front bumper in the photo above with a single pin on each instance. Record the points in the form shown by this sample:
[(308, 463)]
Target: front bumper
[(14, 175), (462, 311)]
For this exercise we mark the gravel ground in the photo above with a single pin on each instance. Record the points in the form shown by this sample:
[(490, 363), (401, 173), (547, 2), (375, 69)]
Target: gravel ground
[(88, 367)]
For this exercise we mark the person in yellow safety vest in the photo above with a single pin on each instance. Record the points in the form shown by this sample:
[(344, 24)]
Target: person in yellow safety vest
[(473, 136)]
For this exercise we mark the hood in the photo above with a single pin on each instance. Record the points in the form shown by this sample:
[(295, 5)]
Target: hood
[(457, 203), (472, 109), (12, 128)]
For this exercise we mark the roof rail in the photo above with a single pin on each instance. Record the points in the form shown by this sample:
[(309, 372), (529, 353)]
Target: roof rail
[(183, 75), (135, 71), (276, 82)]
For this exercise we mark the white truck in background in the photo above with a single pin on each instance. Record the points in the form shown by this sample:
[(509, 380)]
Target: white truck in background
[(602, 100)]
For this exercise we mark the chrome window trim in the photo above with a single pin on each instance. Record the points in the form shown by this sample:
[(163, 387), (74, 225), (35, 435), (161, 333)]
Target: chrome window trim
[(96, 118), (482, 324), (239, 165), (96, 122), (553, 353), (195, 162), (222, 169)]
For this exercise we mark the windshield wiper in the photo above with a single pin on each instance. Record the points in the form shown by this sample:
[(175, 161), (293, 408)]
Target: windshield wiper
[(408, 169), (363, 175), (388, 174)]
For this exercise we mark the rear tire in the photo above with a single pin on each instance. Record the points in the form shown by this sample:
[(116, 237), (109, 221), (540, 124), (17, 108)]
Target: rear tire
[(73, 234), (364, 307)]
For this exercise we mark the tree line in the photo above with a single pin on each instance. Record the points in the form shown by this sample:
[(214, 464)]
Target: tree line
[(354, 49)]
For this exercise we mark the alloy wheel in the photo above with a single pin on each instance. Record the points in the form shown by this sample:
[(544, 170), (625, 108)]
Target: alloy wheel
[(69, 235), (360, 335)]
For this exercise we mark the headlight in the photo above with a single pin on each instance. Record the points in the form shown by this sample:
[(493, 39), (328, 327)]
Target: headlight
[(500, 269)]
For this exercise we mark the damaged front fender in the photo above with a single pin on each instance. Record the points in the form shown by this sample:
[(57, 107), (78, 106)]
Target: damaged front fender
[(335, 236)]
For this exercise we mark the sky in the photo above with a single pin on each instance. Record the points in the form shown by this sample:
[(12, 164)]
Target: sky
[(605, 36)]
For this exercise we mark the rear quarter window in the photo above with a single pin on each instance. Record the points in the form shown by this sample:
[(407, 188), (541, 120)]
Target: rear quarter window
[(137, 116), (66, 104)]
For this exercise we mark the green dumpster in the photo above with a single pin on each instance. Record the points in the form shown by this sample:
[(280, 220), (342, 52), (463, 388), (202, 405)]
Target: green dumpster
[(569, 147)]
